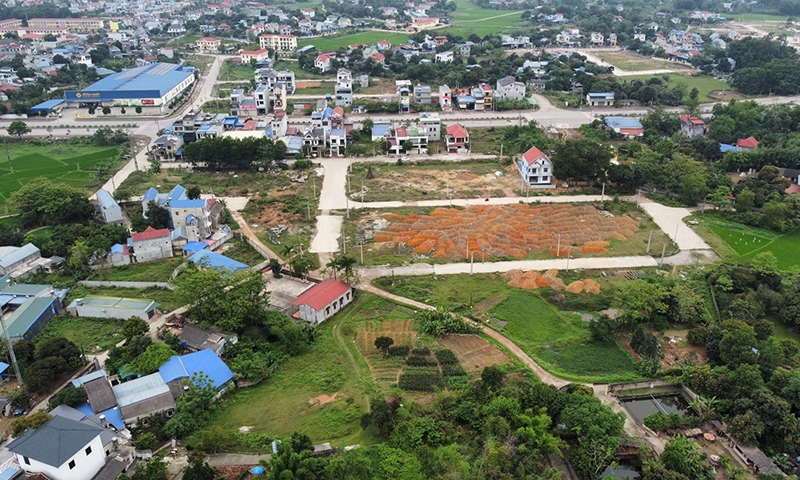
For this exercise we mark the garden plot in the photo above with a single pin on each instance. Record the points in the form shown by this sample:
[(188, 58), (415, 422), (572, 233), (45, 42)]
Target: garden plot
[(473, 352), (385, 368), (517, 231)]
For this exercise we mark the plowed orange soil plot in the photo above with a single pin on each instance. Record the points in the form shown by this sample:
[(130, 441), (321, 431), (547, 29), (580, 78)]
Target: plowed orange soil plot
[(507, 230), (473, 352)]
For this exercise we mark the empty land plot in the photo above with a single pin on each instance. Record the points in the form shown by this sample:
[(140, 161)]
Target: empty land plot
[(69, 164), (369, 38), (473, 352), (432, 181), (631, 61), (704, 85)]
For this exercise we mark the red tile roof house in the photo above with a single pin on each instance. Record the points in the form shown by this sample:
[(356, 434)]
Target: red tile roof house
[(322, 301), (151, 245), (748, 143)]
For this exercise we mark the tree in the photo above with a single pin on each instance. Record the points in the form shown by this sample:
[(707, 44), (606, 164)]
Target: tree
[(18, 128), (106, 110), (683, 455), (70, 396), (193, 192), (134, 327), (147, 441), (157, 217), (42, 202), (231, 302), (745, 200), (581, 160), (32, 421), (300, 265), (383, 343), (738, 347), (58, 347), (492, 377), (153, 357), (198, 469)]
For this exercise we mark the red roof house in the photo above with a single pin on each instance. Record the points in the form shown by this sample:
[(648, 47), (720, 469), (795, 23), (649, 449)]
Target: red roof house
[(748, 143), (457, 139), (536, 169), (149, 234), (151, 244), (322, 301)]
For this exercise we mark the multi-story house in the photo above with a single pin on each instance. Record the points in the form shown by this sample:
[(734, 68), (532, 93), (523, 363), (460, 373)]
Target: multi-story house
[(430, 123), (536, 169), (343, 91), (422, 95), (279, 43), (445, 98)]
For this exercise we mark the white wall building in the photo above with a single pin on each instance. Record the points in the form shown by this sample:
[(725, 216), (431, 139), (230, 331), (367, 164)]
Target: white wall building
[(152, 245), (536, 169), (322, 301)]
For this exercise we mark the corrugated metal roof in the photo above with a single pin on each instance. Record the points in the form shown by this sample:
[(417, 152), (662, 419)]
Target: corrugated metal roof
[(55, 442), (12, 257), (321, 295), (21, 320), (216, 260), (140, 389), (205, 361), (157, 76)]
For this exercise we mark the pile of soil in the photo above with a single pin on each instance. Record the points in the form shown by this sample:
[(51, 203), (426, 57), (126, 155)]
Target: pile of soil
[(531, 280)]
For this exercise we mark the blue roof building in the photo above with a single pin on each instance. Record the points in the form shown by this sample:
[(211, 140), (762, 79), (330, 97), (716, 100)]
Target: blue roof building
[(203, 361), (381, 130), (193, 247), (149, 85), (217, 260)]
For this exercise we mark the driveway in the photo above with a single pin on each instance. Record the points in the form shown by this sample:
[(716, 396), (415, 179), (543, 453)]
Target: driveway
[(670, 220)]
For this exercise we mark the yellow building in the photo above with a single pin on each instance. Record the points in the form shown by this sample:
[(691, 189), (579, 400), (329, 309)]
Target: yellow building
[(208, 44), (71, 24), (279, 43)]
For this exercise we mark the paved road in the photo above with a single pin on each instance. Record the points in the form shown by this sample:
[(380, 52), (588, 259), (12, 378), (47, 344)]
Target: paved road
[(670, 220)]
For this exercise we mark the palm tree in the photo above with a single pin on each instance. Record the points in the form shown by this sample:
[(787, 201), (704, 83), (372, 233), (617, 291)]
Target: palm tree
[(347, 264), (333, 264)]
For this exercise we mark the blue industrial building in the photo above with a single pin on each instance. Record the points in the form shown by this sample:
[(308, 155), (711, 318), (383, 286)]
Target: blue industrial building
[(217, 260), (149, 85)]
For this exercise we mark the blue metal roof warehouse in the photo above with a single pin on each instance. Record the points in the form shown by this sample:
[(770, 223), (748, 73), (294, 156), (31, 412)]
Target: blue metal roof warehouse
[(217, 260), (152, 84)]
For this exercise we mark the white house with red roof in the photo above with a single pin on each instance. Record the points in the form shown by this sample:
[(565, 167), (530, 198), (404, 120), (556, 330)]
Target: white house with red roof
[(151, 245), (258, 55), (323, 61), (536, 169), (457, 139), (322, 301), (384, 44), (692, 126), (749, 143)]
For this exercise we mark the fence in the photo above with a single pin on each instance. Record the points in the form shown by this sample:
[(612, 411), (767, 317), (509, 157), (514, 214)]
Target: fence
[(256, 247)]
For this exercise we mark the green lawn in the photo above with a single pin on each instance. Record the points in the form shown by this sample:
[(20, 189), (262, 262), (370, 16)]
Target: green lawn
[(236, 71), (169, 299), (370, 38), (299, 73), (93, 335), (282, 405), (741, 243), (160, 271), (64, 163), (704, 84), (186, 40), (559, 342)]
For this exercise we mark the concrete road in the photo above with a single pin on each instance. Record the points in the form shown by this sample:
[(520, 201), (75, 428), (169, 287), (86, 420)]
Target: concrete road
[(670, 220), (593, 263), (329, 229)]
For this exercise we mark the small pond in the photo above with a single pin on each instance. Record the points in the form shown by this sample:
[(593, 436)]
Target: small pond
[(643, 406)]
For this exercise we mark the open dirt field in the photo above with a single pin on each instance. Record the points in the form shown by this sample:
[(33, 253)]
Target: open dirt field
[(434, 182), (507, 231), (473, 352)]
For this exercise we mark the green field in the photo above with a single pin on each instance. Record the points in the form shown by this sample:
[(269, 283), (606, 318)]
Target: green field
[(741, 243), (470, 18), (160, 271), (283, 404), (369, 38), (92, 335), (68, 164), (559, 342), (703, 84), (756, 17), (235, 71)]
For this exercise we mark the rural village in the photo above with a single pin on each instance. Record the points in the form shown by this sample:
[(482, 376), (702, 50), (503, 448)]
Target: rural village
[(456, 239)]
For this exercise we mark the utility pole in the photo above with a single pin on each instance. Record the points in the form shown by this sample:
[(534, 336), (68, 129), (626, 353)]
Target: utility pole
[(10, 166), (558, 248), (471, 262), (361, 244), (603, 193), (663, 251), (10, 348), (648, 241)]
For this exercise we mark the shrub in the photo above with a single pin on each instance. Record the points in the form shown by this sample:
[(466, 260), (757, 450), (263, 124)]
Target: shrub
[(147, 441), (421, 351), (418, 361), (439, 322), (697, 335), (424, 382), (398, 350), (453, 370), (457, 382), (655, 422), (446, 357)]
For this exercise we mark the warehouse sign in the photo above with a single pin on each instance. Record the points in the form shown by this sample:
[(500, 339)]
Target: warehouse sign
[(111, 95)]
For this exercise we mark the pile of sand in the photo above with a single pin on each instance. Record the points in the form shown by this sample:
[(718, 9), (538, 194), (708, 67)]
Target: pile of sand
[(531, 280)]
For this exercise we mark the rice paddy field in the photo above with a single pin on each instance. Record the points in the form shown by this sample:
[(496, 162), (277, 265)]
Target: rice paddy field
[(68, 164)]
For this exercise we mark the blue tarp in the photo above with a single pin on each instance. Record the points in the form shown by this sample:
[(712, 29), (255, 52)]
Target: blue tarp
[(217, 260), (258, 470), (205, 361), (724, 147)]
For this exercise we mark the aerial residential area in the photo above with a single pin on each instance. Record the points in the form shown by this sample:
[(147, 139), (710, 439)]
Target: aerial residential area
[(457, 239)]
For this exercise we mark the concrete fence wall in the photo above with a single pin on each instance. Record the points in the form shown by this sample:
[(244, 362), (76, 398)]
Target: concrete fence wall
[(253, 244), (93, 283)]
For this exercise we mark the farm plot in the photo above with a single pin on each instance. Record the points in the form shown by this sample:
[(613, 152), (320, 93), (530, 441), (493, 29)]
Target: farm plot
[(473, 352), (385, 368), (507, 231)]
